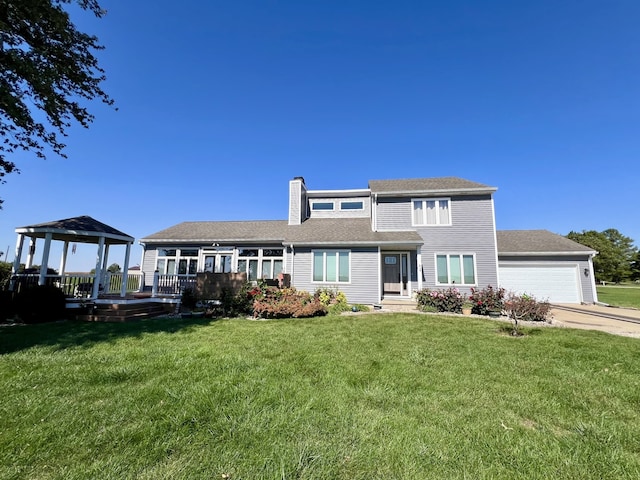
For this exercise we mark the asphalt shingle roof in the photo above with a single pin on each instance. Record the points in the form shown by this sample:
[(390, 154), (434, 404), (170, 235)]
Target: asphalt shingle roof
[(427, 185), (77, 229), (537, 241), (263, 230)]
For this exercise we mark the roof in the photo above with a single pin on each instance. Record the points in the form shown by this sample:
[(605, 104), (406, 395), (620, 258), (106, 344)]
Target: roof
[(324, 231), (538, 242), (431, 186), (346, 231), (83, 229), (224, 231)]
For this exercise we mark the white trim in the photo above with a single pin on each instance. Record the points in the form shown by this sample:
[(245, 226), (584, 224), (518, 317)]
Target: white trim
[(459, 254), (495, 242), (326, 202), (437, 211), (361, 202), (326, 251)]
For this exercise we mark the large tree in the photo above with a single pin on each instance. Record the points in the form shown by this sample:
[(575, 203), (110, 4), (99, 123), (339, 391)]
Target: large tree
[(47, 70), (616, 253)]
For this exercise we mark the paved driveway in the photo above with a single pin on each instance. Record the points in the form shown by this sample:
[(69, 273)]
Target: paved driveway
[(597, 317)]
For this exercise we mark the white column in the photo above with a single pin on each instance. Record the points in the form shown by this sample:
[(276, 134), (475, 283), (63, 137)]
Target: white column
[(16, 260), (105, 276), (420, 271), (125, 272), (63, 259), (98, 274), (45, 258), (32, 252)]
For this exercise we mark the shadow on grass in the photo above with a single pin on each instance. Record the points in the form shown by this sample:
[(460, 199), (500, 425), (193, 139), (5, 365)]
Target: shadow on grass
[(66, 334)]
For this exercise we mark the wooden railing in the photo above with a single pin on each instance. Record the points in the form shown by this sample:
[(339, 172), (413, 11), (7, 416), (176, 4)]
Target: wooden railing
[(80, 285)]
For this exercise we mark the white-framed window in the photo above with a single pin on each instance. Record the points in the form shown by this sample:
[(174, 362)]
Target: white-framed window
[(352, 205), (331, 266), (218, 261), (171, 261), (455, 269), (260, 263), (322, 206), (431, 211)]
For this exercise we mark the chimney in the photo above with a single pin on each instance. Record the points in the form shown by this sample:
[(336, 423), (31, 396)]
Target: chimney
[(297, 201)]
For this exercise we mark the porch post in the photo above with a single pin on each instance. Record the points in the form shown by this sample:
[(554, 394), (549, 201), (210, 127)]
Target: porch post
[(154, 289), (105, 276), (45, 258), (125, 272), (63, 259), (98, 274), (32, 252), (16, 260), (419, 261)]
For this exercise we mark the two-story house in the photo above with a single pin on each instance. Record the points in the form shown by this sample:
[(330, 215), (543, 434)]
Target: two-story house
[(388, 240)]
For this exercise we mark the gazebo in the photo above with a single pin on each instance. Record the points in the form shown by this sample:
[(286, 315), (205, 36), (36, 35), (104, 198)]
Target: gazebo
[(82, 229)]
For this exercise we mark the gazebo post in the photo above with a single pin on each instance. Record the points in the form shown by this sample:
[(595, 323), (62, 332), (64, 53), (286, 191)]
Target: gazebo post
[(63, 258), (45, 258), (32, 252), (105, 276), (98, 273), (16, 260), (125, 272)]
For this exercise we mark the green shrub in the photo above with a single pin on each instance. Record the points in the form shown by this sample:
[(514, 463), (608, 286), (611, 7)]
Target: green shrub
[(39, 304), (334, 300), (241, 303), (449, 300), (188, 298), (526, 308), (286, 303), (8, 305), (487, 300)]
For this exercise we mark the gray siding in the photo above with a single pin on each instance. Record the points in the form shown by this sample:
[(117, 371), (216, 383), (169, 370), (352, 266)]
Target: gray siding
[(472, 230), (336, 212), (149, 265), (588, 295), (363, 287), (297, 202)]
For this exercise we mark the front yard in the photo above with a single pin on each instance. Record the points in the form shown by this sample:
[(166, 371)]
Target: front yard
[(627, 295), (370, 396)]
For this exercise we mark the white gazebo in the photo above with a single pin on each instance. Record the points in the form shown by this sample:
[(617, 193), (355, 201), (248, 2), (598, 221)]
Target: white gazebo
[(82, 229)]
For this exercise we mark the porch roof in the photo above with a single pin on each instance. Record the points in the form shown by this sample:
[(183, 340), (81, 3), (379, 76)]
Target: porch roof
[(83, 229)]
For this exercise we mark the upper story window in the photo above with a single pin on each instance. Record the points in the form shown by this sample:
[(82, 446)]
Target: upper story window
[(359, 205), (321, 205), (432, 211)]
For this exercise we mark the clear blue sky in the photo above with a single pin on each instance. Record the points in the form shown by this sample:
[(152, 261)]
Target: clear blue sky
[(220, 104)]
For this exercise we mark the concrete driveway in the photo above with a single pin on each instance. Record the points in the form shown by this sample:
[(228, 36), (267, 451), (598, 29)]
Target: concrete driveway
[(618, 321)]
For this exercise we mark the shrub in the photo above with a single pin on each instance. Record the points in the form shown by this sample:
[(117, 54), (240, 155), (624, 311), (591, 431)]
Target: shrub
[(334, 300), (8, 305), (286, 303), (526, 308), (39, 304), (240, 303), (188, 298), (449, 300), (487, 300)]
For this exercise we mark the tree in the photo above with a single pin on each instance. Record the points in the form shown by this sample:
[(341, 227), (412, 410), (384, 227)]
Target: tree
[(616, 253), (47, 67), (114, 268)]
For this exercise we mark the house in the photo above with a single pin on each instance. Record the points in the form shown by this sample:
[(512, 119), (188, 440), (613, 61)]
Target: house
[(385, 241)]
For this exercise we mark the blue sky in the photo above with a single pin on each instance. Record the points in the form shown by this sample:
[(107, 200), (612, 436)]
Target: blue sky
[(220, 104)]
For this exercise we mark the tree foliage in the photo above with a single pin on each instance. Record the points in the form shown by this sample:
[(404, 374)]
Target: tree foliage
[(616, 253), (47, 68)]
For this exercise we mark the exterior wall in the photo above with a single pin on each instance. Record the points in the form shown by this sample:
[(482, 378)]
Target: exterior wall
[(472, 230), (297, 201), (148, 265), (336, 212), (586, 282), (363, 287)]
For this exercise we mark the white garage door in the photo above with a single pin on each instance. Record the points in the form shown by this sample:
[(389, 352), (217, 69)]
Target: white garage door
[(555, 283)]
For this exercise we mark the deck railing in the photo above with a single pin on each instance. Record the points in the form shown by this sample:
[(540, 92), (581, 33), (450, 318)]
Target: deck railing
[(171, 284), (80, 285)]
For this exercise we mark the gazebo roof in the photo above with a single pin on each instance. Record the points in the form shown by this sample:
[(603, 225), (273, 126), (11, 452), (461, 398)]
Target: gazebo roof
[(82, 229)]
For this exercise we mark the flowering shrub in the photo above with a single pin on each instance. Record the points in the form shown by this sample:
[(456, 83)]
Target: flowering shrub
[(487, 300), (449, 300), (286, 303), (526, 308)]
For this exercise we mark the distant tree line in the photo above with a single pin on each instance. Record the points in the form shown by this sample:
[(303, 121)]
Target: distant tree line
[(618, 259)]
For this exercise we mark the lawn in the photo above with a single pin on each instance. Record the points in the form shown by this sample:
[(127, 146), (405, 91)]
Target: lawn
[(627, 295), (375, 396)]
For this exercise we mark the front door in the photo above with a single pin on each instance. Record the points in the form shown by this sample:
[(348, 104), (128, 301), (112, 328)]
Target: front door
[(395, 273)]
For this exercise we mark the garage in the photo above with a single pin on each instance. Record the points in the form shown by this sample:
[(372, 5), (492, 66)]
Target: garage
[(546, 265), (552, 282)]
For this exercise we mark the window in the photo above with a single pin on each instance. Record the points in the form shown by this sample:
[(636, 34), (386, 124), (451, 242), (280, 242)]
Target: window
[(258, 263), (322, 206), (351, 205), (331, 266), (455, 269), (218, 263), (431, 212), (173, 261)]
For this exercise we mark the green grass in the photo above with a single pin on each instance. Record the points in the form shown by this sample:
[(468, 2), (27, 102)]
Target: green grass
[(397, 396), (620, 295)]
